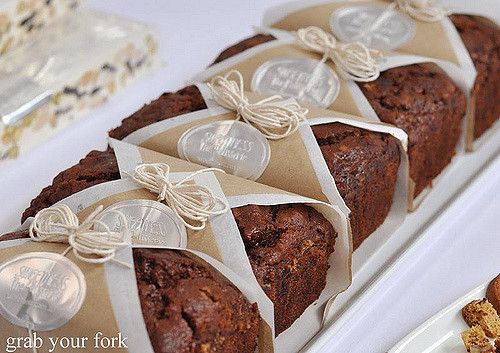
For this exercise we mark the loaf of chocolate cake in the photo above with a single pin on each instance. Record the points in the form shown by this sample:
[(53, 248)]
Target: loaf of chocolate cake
[(298, 235), (481, 37), (420, 99), (188, 306)]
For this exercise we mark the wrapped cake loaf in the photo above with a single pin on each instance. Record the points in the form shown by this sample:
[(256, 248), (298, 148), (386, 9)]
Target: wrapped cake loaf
[(176, 300), (298, 249), (341, 160), (457, 33), (422, 96)]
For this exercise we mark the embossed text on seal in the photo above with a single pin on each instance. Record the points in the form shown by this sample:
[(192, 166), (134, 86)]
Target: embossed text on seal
[(236, 147), (40, 290), (149, 223), (375, 26), (307, 80)]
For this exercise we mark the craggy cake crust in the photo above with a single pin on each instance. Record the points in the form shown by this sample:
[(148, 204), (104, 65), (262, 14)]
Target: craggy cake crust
[(288, 247), (364, 165), (482, 39), (189, 308), (168, 105), (423, 101), (96, 168)]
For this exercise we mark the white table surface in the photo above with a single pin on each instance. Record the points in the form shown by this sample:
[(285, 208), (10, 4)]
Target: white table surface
[(465, 253)]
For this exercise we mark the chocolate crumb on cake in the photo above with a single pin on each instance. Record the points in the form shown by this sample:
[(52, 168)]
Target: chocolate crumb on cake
[(187, 307), (288, 247), (364, 165), (481, 37)]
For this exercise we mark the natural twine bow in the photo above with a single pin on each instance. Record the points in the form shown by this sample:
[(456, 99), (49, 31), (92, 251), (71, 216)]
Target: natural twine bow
[(422, 10), (188, 200), (354, 60), (273, 117), (58, 224)]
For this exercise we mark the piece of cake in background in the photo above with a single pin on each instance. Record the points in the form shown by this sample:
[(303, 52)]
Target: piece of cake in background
[(481, 37), (51, 80), (481, 312), (493, 293), (21, 19)]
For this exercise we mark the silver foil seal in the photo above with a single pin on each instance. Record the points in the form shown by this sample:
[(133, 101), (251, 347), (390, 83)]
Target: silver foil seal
[(19, 96), (306, 80), (233, 146), (40, 290), (377, 27), (148, 223)]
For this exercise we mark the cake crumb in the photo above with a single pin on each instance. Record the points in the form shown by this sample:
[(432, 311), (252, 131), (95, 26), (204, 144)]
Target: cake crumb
[(482, 313), (475, 340)]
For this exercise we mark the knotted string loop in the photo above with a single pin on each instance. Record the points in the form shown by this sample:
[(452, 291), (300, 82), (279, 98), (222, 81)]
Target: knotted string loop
[(91, 241), (273, 116), (354, 60), (187, 199)]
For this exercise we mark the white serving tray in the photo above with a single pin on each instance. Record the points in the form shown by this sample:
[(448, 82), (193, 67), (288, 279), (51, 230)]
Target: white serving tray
[(371, 267), (441, 333)]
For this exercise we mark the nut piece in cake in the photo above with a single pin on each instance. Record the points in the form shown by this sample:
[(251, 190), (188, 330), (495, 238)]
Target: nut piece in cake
[(475, 340), (482, 313), (493, 293)]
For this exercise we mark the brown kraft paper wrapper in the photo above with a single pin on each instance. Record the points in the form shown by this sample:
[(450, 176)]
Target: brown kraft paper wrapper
[(299, 155), (111, 304)]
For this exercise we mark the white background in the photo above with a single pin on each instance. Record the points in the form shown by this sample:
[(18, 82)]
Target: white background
[(463, 254)]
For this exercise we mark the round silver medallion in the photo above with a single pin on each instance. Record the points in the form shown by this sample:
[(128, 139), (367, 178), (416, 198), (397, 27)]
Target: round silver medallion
[(40, 290), (306, 80), (374, 26), (233, 146), (149, 223)]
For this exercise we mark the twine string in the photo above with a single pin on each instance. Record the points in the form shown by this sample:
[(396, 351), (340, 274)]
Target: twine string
[(188, 200), (354, 60), (91, 241), (421, 10), (272, 116)]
